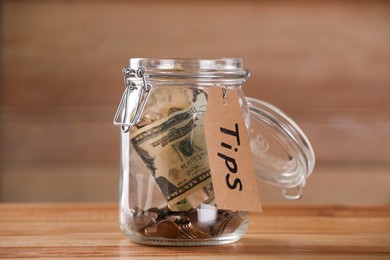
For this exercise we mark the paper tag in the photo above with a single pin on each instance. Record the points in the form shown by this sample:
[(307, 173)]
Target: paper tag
[(229, 153)]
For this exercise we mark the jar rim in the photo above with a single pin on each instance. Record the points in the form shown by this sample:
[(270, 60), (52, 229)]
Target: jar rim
[(190, 67), (180, 64)]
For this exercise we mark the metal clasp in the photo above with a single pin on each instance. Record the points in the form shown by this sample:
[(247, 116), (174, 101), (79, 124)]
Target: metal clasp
[(133, 100)]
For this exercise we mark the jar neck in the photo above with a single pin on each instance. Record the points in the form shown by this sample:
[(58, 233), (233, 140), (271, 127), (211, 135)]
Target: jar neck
[(211, 71)]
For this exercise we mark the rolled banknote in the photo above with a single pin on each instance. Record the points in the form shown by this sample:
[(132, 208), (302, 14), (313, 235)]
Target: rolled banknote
[(173, 149)]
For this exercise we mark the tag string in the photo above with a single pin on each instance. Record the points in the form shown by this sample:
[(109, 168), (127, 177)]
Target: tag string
[(224, 93)]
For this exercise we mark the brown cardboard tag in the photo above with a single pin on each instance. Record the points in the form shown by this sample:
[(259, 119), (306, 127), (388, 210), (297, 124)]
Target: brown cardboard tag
[(229, 153)]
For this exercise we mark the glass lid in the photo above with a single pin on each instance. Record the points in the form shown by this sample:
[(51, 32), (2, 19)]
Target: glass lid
[(187, 64), (187, 68), (282, 154)]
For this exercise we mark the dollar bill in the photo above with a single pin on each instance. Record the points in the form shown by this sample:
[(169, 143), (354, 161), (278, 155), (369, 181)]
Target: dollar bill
[(174, 150), (163, 101)]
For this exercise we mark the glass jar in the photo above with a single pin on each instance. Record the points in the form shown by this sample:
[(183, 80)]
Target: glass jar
[(166, 192)]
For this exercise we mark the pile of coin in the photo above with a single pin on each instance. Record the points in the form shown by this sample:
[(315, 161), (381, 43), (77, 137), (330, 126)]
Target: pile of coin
[(185, 225)]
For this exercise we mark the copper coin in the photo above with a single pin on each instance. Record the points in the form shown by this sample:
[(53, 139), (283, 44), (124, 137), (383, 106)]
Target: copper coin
[(218, 228), (151, 231), (234, 222), (185, 232), (198, 232), (174, 218), (167, 229), (202, 227)]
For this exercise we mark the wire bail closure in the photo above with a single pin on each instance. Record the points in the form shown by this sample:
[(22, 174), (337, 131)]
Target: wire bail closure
[(133, 100)]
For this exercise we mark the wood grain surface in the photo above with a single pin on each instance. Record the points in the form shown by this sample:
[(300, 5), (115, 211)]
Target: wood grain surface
[(90, 231)]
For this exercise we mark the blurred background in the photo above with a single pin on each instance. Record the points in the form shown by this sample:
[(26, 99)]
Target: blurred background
[(325, 63)]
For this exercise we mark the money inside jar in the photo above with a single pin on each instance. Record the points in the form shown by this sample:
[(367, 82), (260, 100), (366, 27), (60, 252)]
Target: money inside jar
[(169, 139), (186, 225)]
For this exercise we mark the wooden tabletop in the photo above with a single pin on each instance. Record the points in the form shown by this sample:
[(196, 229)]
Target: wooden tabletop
[(296, 232)]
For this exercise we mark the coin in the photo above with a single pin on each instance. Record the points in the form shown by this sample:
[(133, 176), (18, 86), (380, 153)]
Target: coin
[(167, 229), (198, 233), (202, 227), (234, 222), (140, 222), (185, 232), (151, 231), (161, 222), (219, 226), (176, 219), (152, 214)]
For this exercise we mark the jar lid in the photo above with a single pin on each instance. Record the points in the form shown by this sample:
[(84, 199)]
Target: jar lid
[(187, 64), (282, 154), (189, 68)]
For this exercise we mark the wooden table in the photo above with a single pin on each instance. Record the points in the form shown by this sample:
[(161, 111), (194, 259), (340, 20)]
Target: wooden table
[(296, 232)]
